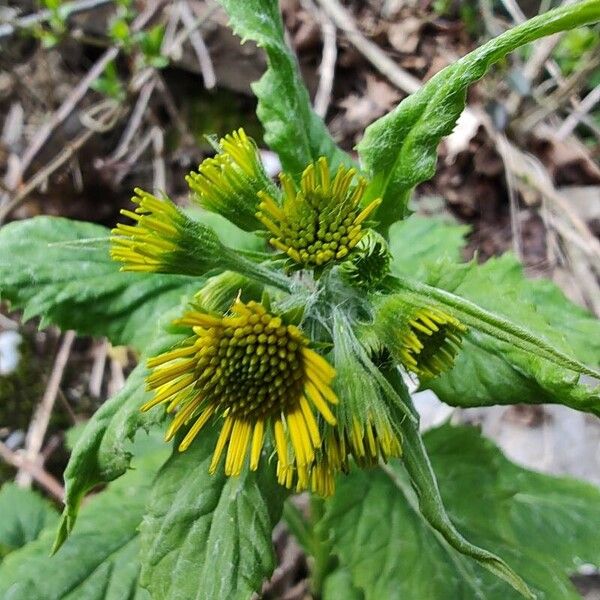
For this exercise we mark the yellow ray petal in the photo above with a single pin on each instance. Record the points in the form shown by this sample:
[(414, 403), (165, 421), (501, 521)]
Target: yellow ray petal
[(257, 444), (196, 427), (319, 403), (281, 443), (181, 417), (311, 423), (223, 439)]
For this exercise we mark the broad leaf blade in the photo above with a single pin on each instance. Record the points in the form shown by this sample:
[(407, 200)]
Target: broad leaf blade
[(47, 268), (104, 450), (540, 524), (488, 371), (292, 129), (399, 150), (24, 515), (208, 537), (100, 560)]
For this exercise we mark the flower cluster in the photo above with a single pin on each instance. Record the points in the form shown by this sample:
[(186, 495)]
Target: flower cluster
[(283, 372)]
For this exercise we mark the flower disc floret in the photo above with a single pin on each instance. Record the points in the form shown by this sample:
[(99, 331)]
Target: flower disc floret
[(252, 372), (323, 221)]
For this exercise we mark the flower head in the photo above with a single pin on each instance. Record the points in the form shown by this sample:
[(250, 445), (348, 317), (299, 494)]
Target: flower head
[(163, 239), (425, 339), (228, 184), (251, 372), (320, 223)]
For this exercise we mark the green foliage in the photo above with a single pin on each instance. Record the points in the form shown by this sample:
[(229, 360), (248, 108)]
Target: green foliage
[(574, 45), (228, 552), (150, 42), (417, 242), (103, 451), (493, 371), (109, 84), (24, 514), (60, 270), (432, 509), (490, 371), (292, 129), (539, 523), (338, 586), (57, 22), (422, 527), (399, 150), (99, 561)]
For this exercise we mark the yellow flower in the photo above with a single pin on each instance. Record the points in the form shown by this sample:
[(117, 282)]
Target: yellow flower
[(253, 374), (228, 184), (322, 221), (163, 239), (425, 339)]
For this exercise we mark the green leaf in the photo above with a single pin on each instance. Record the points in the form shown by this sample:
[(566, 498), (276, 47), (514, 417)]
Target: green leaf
[(418, 241), (48, 268), (24, 514), (491, 371), (103, 451), (399, 150), (541, 524), (207, 536), (338, 586), (292, 129), (100, 560)]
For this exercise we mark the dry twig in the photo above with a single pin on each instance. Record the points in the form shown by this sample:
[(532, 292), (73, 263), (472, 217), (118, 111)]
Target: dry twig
[(328, 60), (204, 61), (42, 477), (372, 52), (68, 152), (41, 416), (585, 106)]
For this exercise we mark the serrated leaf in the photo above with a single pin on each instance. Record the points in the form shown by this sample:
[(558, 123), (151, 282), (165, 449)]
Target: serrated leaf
[(292, 128), (400, 149), (208, 537), (100, 560), (47, 269), (490, 371), (541, 524), (24, 514), (103, 451)]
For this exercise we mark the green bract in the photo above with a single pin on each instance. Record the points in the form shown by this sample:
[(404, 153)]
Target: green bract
[(277, 329)]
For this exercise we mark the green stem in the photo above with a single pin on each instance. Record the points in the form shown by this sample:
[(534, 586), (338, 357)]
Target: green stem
[(259, 272), (308, 536)]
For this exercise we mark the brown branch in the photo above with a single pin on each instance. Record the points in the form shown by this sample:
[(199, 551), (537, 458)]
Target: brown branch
[(41, 416), (42, 477)]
